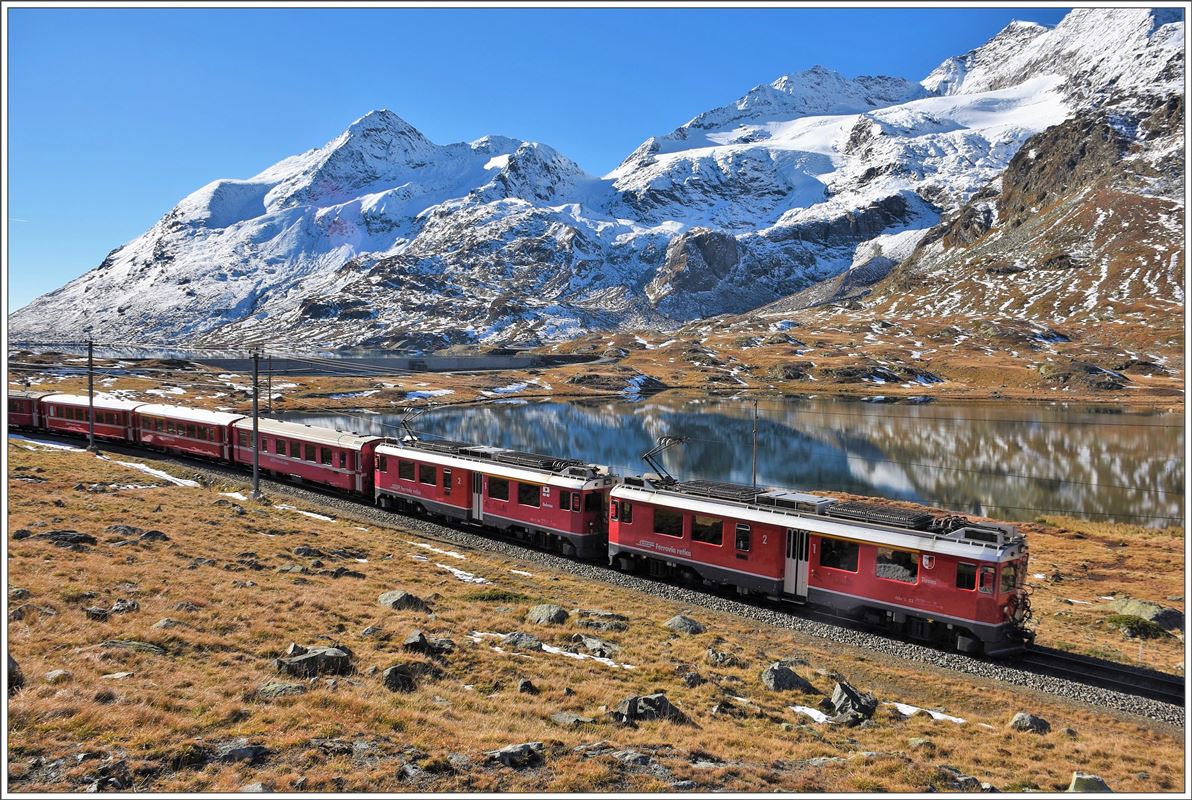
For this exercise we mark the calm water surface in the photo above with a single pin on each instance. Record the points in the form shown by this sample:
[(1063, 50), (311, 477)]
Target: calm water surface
[(1009, 460)]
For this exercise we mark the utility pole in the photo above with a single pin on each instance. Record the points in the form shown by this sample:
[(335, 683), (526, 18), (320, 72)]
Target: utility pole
[(755, 443), (269, 379), (91, 395), (256, 436)]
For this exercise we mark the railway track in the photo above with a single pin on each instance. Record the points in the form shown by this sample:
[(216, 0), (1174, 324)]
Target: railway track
[(1105, 674), (1123, 679)]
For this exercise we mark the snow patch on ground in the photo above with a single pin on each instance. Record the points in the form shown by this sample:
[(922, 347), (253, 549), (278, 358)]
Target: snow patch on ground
[(466, 577), (479, 636), (148, 470), (311, 514), (433, 549)]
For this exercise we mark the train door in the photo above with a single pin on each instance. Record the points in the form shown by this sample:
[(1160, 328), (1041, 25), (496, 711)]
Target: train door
[(797, 548), (477, 491)]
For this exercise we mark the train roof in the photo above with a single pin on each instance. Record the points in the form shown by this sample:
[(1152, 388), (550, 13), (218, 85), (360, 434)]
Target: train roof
[(26, 393), (501, 462), (188, 414), (848, 520), (307, 433), (101, 401)]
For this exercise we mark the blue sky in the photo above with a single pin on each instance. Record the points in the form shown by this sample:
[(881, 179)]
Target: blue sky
[(116, 114)]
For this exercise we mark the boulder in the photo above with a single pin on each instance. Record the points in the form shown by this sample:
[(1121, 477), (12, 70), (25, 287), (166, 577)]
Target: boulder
[(241, 750), (404, 677), (781, 678), (416, 642), (526, 686), (154, 536), (601, 620), (546, 614), (597, 647), (58, 676), (852, 707), (567, 719), (69, 539), (166, 623), (647, 708), (399, 600), (1170, 619), (97, 614), (16, 679), (1084, 782), (954, 779), (521, 641), (518, 756), (276, 689), (718, 658), (253, 788), (306, 662), (684, 624), (123, 606), (1029, 723)]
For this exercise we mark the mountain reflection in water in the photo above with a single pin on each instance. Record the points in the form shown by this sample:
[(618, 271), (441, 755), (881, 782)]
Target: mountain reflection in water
[(1012, 461)]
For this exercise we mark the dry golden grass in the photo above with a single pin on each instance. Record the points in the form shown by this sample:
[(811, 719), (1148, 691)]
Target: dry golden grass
[(202, 692)]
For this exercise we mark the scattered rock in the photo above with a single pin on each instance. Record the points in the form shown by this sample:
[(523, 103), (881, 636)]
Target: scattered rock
[(567, 719), (1170, 619), (521, 641), (58, 676), (274, 690), (525, 686), (97, 614), (852, 707), (132, 644), (16, 679), (125, 606), (154, 536), (597, 647), (518, 756), (684, 624), (691, 679), (416, 642), (601, 620), (1029, 723), (404, 677), (953, 778), (166, 623), (17, 595), (1084, 782), (241, 750), (546, 614), (781, 678), (72, 540), (632, 758), (308, 552), (251, 788), (647, 708), (399, 600), (306, 662), (116, 676), (718, 658), (185, 605), (370, 630)]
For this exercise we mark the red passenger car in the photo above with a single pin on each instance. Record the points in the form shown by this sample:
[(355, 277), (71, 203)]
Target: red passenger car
[(555, 501), (69, 413), (23, 409), (338, 459), (180, 429), (958, 582)]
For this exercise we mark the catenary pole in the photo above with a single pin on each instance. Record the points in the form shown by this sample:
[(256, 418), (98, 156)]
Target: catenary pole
[(256, 437), (269, 380), (91, 395), (755, 443)]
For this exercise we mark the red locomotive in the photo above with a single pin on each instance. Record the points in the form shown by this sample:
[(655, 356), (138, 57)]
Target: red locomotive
[(556, 502)]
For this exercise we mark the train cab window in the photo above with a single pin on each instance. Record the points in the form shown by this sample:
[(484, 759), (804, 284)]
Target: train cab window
[(626, 512), (325, 455), (426, 474), (667, 522), (382, 464), (405, 470), (446, 480), (565, 501), (966, 577), (1009, 577), (707, 529), (744, 538), (279, 446), (896, 565), (529, 495), (309, 452), (986, 584), (614, 509), (498, 488), (591, 502), (838, 554)]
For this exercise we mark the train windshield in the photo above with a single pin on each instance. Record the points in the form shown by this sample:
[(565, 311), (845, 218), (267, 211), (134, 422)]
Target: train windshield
[(1011, 577)]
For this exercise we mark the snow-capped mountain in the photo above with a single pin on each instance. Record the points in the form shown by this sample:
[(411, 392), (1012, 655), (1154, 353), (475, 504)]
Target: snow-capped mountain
[(383, 238)]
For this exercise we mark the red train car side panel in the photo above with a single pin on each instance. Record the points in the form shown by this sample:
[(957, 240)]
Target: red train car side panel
[(70, 414), (339, 459), (180, 429)]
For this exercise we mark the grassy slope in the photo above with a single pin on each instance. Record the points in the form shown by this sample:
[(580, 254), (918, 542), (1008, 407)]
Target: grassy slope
[(202, 692)]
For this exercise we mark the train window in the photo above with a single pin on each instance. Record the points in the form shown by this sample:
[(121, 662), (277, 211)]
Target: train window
[(897, 565), (986, 584), (966, 576), (591, 502), (280, 447), (626, 512), (426, 474), (201, 432), (382, 464), (405, 470), (242, 438), (343, 459), (309, 451), (707, 529), (614, 509), (667, 522), (295, 449), (529, 495), (446, 481), (565, 501), (1009, 577), (325, 455), (744, 537), (838, 554), (498, 488)]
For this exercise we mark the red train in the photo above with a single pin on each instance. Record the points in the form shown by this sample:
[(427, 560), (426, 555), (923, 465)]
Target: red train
[(938, 579)]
